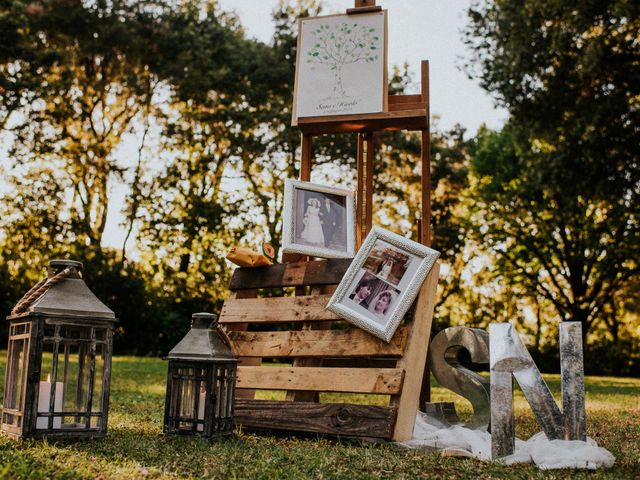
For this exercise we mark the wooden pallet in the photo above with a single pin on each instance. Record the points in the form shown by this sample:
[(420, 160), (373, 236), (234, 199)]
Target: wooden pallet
[(322, 353)]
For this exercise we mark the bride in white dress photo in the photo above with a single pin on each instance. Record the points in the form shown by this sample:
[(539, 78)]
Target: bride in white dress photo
[(312, 231), (385, 269)]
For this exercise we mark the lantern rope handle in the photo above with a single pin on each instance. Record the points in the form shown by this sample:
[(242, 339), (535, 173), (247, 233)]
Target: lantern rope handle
[(40, 289), (225, 336)]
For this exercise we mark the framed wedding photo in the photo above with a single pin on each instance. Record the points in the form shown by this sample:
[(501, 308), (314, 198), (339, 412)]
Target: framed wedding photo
[(341, 65), (319, 221), (382, 282)]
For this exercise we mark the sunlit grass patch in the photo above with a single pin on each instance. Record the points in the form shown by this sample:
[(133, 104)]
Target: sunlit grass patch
[(136, 448)]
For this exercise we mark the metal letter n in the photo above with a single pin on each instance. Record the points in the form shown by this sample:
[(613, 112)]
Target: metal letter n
[(509, 356)]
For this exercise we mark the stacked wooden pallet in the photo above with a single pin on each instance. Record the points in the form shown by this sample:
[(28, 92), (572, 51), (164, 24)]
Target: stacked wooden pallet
[(321, 353)]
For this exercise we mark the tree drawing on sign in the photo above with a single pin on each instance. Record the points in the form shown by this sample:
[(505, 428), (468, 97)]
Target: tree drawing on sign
[(342, 44)]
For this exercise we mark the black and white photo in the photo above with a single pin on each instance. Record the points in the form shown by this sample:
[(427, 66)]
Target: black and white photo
[(318, 220), (374, 295), (387, 262)]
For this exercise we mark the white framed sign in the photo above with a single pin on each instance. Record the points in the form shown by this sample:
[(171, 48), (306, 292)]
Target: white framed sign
[(341, 65)]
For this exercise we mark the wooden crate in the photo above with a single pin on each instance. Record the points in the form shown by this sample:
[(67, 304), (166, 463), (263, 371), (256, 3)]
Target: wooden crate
[(325, 354)]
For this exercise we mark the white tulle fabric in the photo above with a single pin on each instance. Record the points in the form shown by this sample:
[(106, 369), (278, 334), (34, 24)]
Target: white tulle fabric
[(545, 453)]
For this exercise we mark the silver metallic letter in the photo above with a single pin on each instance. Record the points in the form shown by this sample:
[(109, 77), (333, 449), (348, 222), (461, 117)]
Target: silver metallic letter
[(510, 356), (446, 368), (572, 371)]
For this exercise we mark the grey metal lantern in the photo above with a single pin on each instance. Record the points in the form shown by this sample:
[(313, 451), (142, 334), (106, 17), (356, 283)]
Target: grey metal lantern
[(59, 359), (201, 381)]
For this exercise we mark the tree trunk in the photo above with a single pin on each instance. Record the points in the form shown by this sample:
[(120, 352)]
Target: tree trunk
[(538, 325), (338, 89)]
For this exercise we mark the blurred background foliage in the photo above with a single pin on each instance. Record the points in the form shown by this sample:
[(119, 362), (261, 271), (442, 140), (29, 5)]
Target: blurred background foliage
[(537, 223)]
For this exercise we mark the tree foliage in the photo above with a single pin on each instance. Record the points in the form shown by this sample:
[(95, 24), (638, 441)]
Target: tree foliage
[(551, 200), (558, 188), (111, 66)]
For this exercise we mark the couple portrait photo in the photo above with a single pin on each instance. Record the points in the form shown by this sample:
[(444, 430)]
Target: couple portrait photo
[(374, 295), (318, 220), (322, 220), (387, 262)]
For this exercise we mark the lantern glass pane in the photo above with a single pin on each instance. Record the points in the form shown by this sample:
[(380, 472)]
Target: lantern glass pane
[(188, 398), (223, 397), (14, 389), (96, 402), (69, 362)]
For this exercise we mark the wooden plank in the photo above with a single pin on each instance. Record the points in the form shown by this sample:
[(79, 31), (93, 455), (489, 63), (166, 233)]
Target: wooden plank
[(360, 362), (415, 358), (294, 257), (355, 11), (327, 418), (405, 119), (316, 343), (405, 99), (249, 361), (396, 107), (277, 309), (317, 272), (352, 380)]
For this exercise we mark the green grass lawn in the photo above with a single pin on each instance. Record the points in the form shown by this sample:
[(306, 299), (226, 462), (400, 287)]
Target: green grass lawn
[(136, 448)]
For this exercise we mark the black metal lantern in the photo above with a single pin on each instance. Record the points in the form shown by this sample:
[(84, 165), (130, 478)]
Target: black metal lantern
[(59, 359), (201, 381)]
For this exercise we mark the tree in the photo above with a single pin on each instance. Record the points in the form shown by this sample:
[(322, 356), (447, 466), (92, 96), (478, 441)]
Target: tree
[(94, 85), (110, 67), (574, 256), (398, 196), (559, 187), (219, 106), (22, 53)]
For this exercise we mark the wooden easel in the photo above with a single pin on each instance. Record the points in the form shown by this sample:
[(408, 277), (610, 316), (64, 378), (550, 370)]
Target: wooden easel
[(325, 359), (406, 112)]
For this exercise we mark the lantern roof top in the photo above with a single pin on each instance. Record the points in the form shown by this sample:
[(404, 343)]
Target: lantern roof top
[(203, 342), (62, 294), (71, 296)]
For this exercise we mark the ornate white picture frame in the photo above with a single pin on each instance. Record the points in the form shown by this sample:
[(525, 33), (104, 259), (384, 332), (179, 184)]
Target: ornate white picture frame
[(318, 220), (382, 282), (341, 65)]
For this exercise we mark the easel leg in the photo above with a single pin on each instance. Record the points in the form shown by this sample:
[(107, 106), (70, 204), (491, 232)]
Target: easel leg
[(305, 158), (364, 200), (425, 239), (371, 153), (305, 175), (361, 188)]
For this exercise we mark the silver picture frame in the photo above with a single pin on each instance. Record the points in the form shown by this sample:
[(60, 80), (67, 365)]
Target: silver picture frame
[(305, 226), (374, 296)]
